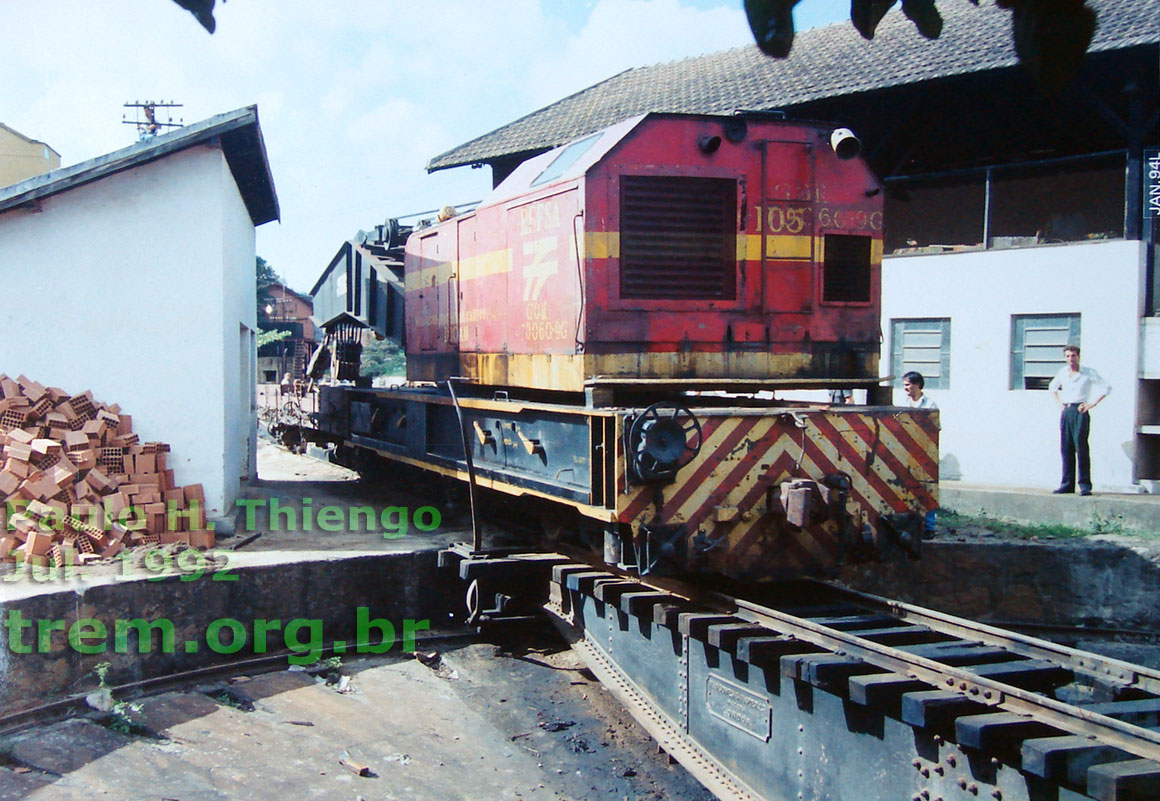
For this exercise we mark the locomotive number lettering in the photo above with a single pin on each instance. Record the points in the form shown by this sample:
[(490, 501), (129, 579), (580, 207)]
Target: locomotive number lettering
[(538, 217), (855, 219), (536, 310), (782, 219), (545, 330)]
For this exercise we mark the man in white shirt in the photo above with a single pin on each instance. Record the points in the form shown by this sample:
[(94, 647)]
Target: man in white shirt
[(1074, 387), (912, 384)]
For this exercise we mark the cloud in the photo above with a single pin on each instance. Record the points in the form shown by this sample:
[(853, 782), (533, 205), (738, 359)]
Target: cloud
[(353, 103), (621, 34)]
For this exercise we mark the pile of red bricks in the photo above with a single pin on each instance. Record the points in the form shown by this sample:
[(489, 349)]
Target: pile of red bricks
[(76, 484)]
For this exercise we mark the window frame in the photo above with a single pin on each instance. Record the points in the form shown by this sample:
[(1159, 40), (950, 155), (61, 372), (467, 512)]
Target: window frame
[(898, 363), (1068, 322)]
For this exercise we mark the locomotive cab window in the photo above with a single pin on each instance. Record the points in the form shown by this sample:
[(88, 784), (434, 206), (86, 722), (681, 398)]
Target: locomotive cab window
[(678, 238), (846, 270)]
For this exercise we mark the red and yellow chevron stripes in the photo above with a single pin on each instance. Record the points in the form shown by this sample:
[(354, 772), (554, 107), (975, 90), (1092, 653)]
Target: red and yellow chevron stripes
[(728, 497)]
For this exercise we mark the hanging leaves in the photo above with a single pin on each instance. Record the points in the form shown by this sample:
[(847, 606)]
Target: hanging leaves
[(772, 24), (866, 14), (1050, 36), (202, 10)]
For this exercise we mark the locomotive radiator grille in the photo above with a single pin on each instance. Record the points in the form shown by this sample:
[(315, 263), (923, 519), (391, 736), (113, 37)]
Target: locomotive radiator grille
[(678, 237)]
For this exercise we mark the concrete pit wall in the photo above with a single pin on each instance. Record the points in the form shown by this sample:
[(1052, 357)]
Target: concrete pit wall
[(1064, 583), (396, 587)]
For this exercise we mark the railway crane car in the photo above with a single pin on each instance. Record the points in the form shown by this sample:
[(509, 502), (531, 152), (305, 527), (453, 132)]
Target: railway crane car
[(603, 334), (606, 332)]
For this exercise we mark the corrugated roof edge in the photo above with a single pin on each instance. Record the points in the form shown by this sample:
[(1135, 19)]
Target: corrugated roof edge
[(241, 141)]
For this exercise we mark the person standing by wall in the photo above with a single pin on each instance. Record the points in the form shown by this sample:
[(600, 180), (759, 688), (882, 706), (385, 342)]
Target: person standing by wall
[(912, 385), (1073, 387)]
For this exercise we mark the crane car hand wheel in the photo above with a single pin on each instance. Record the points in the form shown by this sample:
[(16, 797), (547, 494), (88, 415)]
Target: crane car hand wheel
[(661, 440)]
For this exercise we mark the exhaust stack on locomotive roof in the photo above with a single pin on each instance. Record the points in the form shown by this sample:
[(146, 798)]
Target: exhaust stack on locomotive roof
[(846, 146)]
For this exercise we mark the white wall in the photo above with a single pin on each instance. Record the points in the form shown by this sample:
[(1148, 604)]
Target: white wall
[(132, 287), (239, 327), (990, 433)]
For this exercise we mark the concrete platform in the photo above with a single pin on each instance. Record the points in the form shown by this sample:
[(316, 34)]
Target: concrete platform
[(1100, 512)]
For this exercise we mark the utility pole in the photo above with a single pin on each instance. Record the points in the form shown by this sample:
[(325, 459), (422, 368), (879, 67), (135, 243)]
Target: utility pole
[(150, 126)]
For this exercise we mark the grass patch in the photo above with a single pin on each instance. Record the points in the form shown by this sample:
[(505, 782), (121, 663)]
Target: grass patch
[(950, 521)]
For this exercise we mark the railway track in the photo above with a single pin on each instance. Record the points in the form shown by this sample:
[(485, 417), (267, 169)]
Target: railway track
[(809, 690)]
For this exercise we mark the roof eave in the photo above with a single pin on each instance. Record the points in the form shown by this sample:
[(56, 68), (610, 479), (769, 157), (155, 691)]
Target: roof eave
[(241, 141)]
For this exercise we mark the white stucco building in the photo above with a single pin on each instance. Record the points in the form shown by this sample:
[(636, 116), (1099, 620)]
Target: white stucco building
[(987, 328), (133, 275)]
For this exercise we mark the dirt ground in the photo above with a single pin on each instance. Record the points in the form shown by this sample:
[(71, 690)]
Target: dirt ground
[(481, 721)]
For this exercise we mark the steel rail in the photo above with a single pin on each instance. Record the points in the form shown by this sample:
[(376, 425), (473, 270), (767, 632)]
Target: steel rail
[(1136, 740), (1124, 673)]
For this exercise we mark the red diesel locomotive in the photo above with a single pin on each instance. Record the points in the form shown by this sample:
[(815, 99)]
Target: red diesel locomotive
[(595, 311), (696, 251)]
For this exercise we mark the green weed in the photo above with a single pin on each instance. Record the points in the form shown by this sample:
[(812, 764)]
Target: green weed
[(949, 520), (121, 713)]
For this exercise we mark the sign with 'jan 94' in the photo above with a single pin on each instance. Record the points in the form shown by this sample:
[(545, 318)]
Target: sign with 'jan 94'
[(1152, 184)]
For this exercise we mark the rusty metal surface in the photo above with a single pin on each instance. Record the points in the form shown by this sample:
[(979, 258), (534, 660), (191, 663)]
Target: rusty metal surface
[(581, 277)]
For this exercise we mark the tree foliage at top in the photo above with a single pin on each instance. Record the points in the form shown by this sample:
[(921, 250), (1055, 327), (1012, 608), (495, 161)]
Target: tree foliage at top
[(1050, 36), (265, 273), (202, 10)]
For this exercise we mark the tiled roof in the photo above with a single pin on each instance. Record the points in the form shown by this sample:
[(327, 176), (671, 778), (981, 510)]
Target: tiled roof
[(825, 62)]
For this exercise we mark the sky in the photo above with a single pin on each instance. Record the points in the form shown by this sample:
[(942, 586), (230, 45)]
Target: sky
[(352, 103)]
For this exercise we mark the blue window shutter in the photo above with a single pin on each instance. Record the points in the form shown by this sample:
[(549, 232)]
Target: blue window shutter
[(945, 356), (1016, 352)]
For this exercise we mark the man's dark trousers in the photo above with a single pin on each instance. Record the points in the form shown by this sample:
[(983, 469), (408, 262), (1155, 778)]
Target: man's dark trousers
[(1073, 442)]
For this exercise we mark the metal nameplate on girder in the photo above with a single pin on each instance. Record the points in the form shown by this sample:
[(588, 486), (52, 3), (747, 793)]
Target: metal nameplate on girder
[(739, 707)]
